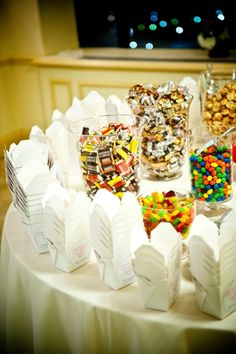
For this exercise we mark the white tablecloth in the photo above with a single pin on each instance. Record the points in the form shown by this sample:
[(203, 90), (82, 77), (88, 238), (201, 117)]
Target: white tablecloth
[(44, 310)]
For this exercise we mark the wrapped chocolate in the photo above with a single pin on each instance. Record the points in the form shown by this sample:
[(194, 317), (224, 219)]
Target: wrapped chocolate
[(109, 153), (218, 100), (164, 110)]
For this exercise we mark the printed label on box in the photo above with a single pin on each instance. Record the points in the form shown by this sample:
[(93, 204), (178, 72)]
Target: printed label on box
[(229, 297), (79, 253)]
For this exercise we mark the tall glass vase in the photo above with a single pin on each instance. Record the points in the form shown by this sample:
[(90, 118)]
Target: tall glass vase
[(108, 152), (211, 172), (163, 135), (218, 99)]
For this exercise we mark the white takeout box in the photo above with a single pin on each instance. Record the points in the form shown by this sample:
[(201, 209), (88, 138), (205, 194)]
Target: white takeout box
[(157, 265), (212, 259), (66, 227), (28, 176), (111, 222)]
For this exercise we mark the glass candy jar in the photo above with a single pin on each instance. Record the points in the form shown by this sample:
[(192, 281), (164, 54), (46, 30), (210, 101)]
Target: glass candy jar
[(218, 99), (108, 152), (163, 134), (174, 206), (211, 171)]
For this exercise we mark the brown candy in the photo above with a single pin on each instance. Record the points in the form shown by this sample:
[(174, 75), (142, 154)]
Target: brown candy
[(219, 109)]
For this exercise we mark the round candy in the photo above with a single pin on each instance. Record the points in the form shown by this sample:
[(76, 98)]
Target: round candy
[(212, 180)]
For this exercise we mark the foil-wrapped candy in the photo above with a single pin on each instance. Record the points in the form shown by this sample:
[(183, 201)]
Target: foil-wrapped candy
[(165, 111)]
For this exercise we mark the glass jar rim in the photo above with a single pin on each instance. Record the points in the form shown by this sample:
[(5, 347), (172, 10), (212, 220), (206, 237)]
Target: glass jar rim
[(183, 195), (76, 127), (220, 74)]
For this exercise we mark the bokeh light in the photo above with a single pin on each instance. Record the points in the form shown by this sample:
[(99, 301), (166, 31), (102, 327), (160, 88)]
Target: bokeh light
[(133, 45), (163, 23), (179, 30)]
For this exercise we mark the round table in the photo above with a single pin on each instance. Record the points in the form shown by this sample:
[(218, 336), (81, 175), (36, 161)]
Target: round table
[(44, 310)]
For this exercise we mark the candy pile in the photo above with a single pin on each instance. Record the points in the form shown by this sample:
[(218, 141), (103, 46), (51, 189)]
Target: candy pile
[(165, 114), (109, 159), (178, 209), (211, 174), (220, 107)]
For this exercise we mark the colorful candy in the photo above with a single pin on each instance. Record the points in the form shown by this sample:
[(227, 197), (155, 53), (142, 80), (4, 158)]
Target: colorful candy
[(109, 159), (211, 174), (178, 209)]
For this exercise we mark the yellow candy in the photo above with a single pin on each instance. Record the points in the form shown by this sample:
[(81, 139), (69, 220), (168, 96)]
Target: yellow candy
[(167, 217), (184, 218), (133, 146), (214, 164), (119, 194), (115, 180), (123, 154), (89, 148), (175, 212)]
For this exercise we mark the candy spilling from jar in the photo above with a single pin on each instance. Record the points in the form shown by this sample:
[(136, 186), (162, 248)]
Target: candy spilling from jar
[(211, 176), (109, 159), (167, 207)]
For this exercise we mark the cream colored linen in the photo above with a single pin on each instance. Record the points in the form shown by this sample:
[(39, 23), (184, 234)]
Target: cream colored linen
[(44, 310)]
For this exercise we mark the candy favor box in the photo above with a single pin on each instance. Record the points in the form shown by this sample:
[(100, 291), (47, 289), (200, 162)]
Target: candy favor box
[(212, 259), (28, 176), (111, 222), (157, 265), (66, 227)]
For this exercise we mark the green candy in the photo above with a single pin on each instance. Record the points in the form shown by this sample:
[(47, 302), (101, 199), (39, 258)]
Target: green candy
[(153, 218), (144, 208), (161, 213), (176, 221)]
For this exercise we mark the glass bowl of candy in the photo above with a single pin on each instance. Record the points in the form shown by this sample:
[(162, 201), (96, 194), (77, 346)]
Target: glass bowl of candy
[(108, 152), (218, 99), (211, 171), (174, 206), (163, 135)]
